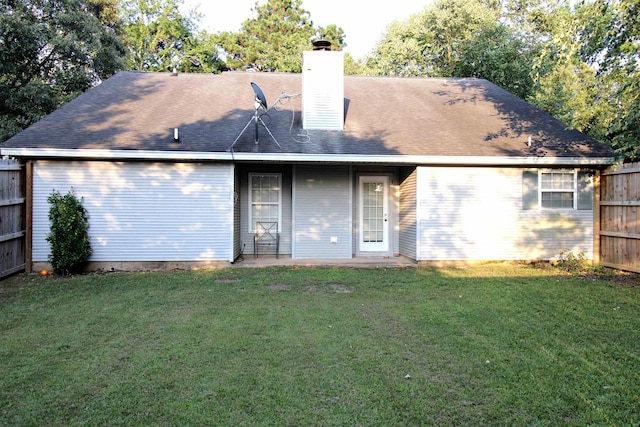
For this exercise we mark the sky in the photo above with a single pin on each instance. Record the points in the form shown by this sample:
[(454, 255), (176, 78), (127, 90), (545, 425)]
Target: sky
[(363, 23)]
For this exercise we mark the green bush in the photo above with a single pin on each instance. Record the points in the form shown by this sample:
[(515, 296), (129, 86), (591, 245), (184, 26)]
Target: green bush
[(579, 265), (572, 263), (69, 236)]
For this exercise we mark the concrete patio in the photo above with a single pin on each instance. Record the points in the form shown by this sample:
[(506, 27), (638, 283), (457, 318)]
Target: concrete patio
[(356, 262)]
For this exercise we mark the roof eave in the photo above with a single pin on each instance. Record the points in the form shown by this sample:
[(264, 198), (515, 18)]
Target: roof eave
[(190, 156)]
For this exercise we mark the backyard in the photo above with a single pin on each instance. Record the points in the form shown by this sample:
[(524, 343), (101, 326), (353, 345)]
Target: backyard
[(489, 345)]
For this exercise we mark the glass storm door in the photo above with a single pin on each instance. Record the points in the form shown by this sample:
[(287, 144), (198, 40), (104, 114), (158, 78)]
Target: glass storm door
[(374, 213)]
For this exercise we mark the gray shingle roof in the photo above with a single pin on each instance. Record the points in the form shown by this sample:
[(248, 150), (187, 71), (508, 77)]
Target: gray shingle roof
[(383, 116)]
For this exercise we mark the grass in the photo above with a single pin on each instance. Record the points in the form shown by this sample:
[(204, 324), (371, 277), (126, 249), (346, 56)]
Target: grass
[(324, 346)]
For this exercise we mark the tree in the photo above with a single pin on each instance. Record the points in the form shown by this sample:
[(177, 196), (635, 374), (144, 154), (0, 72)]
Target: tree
[(399, 53), (571, 92), (202, 55), (353, 67), (333, 34), (588, 73), (500, 56), (432, 42), (160, 38), (497, 40), (609, 35), (535, 19), (447, 27), (51, 51), (566, 85), (275, 39)]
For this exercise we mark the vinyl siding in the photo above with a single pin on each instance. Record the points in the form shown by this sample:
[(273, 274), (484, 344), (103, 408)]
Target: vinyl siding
[(322, 197), (477, 214), (407, 221), (142, 211), (323, 90)]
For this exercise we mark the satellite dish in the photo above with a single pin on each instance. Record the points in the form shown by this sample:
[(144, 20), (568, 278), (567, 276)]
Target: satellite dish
[(261, 101), (259, 95)]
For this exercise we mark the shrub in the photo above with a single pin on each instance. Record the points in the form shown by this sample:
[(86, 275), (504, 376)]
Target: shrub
[(579, 265), (69, 237), (571, 263)]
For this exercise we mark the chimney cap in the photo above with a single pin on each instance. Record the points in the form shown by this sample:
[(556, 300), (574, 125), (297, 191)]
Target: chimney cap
[(322, 45)]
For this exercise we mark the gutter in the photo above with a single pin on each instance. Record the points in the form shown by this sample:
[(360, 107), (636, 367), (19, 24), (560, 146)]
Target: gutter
[(188, 156)]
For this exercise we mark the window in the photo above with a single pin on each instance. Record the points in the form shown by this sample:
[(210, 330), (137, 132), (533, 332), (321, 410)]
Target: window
[(264, 199), (557, 190)]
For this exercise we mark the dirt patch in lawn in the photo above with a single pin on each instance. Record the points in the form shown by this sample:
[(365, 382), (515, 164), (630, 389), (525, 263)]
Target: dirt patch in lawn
[(339, 289), (334, 287), (279, 287), (627, 279), (227, 280)]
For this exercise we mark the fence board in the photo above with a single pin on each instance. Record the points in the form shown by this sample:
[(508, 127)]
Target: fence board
[(619, 217), (12, 217)]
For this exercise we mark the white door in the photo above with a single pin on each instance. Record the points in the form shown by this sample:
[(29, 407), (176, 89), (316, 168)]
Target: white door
[(374, 213)]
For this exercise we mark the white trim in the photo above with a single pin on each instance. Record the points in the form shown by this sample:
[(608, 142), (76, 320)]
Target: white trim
[(150, 155), (574, 190), (294, 203), (232, 196), (418, 191), (352, 195), (383, 246), (250, 198)]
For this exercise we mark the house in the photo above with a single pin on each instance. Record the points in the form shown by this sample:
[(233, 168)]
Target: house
[(177, 169)]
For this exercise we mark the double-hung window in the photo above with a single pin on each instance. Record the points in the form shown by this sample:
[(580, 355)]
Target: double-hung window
[(265, 198), (558, 190)]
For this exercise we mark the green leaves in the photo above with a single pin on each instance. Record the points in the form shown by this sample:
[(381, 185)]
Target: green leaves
[(498, 55), (459, 38), (160, 38), (276, 37), (51, 51), (578, 64), (592, 77), (68, 237)]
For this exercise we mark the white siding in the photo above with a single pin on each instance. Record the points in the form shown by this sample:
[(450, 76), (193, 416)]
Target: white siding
[(407, 221), (322, 213), (476, 214), (323, 90), (143, 211)]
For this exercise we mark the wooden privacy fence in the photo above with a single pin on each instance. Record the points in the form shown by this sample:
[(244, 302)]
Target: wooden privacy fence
[(12, 217), (617, 218)]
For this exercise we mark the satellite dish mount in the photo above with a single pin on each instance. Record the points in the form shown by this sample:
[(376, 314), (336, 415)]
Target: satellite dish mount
[(259, 102)]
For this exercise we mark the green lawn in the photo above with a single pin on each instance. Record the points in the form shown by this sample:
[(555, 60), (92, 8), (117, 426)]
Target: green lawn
[(334, 347)]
